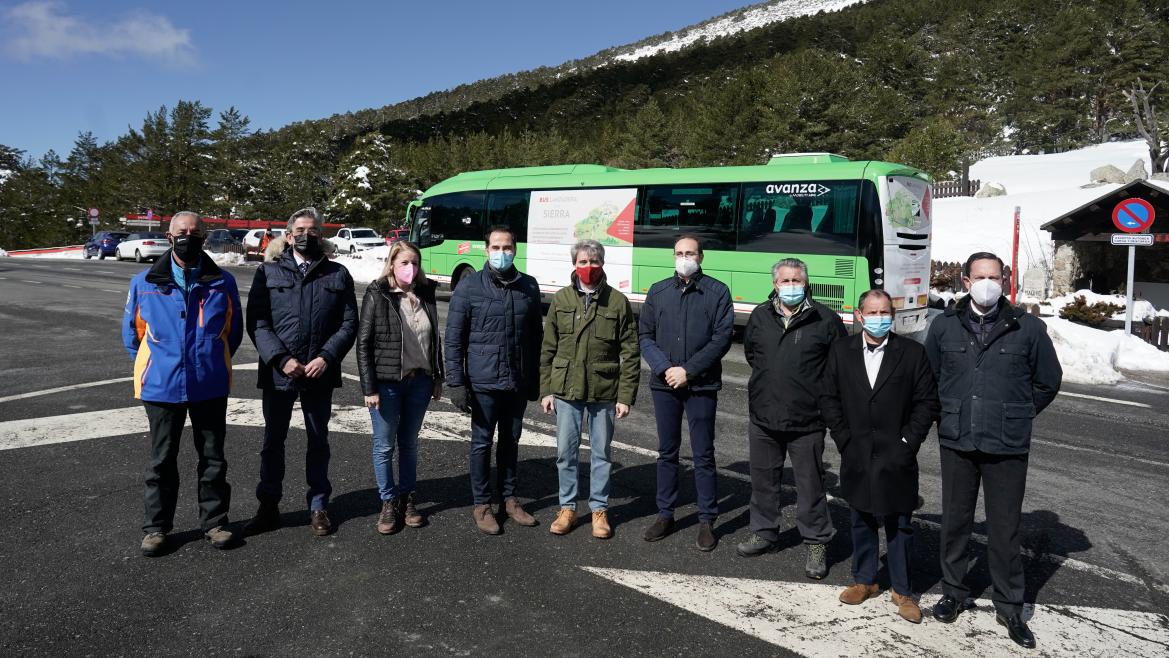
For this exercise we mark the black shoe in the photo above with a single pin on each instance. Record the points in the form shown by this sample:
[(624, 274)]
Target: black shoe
[(706, 539), (661, 527), (1017, 629), (947, 608), (755, 546), (817, 565), (267, 518)]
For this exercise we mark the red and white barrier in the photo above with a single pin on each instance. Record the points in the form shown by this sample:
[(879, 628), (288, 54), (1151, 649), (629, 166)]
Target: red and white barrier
[(47, 251)]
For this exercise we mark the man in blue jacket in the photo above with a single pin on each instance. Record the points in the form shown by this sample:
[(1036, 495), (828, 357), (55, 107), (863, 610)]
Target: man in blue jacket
[(181, 326), (685, 330), (493, 334), (996, 370), (302, 316)]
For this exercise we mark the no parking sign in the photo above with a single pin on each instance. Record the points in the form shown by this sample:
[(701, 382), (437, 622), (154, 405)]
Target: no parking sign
[(1133, 215)]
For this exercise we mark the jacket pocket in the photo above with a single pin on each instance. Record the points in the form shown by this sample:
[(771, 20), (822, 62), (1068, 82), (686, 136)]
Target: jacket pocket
[(558, 379), (483, 364), (564, 322), (1017, 419), (604, 381), (950, 421), (605, 325)]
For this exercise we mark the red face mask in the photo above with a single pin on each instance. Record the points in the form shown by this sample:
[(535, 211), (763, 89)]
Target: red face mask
[(590, 275)]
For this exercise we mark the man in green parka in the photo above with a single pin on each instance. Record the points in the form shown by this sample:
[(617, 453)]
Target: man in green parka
[(590, 365)]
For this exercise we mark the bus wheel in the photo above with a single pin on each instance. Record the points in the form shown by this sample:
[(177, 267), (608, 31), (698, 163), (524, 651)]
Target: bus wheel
[(458, 276)]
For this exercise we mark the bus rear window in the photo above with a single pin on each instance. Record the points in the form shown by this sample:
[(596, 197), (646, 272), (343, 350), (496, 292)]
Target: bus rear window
[(800, 217)]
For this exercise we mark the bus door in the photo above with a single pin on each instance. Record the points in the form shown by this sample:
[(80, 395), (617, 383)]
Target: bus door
[(906, 213)]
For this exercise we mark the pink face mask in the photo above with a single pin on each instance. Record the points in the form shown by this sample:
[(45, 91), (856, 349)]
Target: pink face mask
[(405, 273)]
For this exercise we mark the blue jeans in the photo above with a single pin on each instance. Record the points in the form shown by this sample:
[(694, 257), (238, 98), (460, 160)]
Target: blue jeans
[(502, 413), (569, 415), (396, 423), (317, 407)]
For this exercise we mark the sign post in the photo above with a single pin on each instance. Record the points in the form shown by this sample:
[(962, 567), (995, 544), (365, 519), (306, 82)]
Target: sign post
[(1132, 216), (1015, 259), (94, 219)]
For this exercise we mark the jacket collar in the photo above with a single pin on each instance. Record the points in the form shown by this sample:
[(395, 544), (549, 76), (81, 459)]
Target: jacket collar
[(159, 274)]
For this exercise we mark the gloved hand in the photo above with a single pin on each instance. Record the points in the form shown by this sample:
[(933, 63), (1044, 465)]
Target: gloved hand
[(458, 396)]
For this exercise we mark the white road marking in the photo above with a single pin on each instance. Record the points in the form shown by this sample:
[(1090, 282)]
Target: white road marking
[(119, 292), (66, 285), (1115, 455), (27, 281), (808, 619), (74, 387), (1112, 400)]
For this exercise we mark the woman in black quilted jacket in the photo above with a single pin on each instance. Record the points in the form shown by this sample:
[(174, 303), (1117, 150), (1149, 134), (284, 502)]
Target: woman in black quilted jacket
[(399, 356)]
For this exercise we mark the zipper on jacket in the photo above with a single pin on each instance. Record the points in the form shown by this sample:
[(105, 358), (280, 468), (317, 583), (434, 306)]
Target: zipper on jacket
[(201, 312)]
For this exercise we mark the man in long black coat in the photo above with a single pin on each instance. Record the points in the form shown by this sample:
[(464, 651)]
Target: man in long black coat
[(879, 400)]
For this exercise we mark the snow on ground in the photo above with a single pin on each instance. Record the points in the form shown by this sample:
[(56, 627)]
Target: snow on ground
[(1092, 356), (1141, 309), (365, 266), (748, 20), (227, 258), (1042, 186), (3, 253)]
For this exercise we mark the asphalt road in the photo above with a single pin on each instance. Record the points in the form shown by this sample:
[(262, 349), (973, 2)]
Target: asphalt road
[(75, 584)]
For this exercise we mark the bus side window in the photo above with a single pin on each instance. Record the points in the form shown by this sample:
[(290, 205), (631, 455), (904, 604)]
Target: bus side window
[(799, 218), (668, 211), (510, 208), (457, 216)]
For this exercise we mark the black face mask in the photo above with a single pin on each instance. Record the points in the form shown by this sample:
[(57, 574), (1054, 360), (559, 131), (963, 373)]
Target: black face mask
[(188, 248), (308, 245)]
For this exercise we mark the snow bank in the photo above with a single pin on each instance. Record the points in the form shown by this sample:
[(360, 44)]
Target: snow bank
[(3, 253), (1141, 309), (1042, 186), (227, 259), (1092, 356), (365, 266)]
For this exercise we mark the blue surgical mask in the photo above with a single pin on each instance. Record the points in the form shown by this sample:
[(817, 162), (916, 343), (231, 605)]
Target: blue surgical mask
[(877, 325), (500, 260), (791, 294)]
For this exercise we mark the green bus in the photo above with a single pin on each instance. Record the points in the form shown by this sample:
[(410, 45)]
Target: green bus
[(857, 224)]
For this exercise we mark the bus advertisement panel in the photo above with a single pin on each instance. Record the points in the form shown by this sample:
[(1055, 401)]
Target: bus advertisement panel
[(906, 205), (557, 219)]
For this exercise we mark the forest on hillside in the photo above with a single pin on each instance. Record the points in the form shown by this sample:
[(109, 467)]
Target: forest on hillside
[(934, 85)]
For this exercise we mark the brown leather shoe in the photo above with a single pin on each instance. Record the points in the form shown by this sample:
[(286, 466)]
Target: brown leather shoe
[(601, 529), (387, 520), (565, 519), (319, 523), (485, 520), (410, 514), (518, 513), (859, 593), (907, 608)]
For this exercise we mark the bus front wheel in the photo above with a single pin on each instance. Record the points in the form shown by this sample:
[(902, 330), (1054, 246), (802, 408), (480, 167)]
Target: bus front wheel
[(459, 274)]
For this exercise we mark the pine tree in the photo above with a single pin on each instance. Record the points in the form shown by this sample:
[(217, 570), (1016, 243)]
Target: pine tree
[(370, 190)]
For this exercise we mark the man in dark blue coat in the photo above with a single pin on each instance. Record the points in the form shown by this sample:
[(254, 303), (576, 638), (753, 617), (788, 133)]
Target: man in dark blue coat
[(492, 354), (685, 330), (302, 316), (996, 370)]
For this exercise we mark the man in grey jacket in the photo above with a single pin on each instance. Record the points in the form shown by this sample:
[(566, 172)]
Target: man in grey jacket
[(996, 370)]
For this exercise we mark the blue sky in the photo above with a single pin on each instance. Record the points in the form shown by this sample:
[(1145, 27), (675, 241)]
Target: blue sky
[(69, 65)]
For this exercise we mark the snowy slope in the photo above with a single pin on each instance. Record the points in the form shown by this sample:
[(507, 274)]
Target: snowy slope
[(732, 24), (1042, 186)]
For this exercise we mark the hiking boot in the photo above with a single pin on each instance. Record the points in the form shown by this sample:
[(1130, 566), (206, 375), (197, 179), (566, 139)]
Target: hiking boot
[(485, 520), (755, 546), (662, 526), (817, 565), (267, 518), (387, 520), (220, 537), (517, 513), (907, 608), (565, 519), (153, 544), (859, 593), (601, 529), (706, 540), (410, 514), (319, 523)]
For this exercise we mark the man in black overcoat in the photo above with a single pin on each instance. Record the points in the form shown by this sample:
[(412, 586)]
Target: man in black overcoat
[(880, 399)]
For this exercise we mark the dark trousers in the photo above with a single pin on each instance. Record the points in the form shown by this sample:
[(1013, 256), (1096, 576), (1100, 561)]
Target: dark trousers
[(492, 410), (1005, 477), (209, 426), (866, 548), (317, 407), (768, 450), (699, 407)]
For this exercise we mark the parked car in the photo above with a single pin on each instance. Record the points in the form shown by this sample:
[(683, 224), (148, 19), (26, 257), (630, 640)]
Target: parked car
[(353, 240), (103, 243), (222, 241), (142, 246), (238, 233), (395, 234)]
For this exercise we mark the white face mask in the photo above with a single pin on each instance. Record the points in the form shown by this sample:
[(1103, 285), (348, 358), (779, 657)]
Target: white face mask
[(986, 292), (685, 267)]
